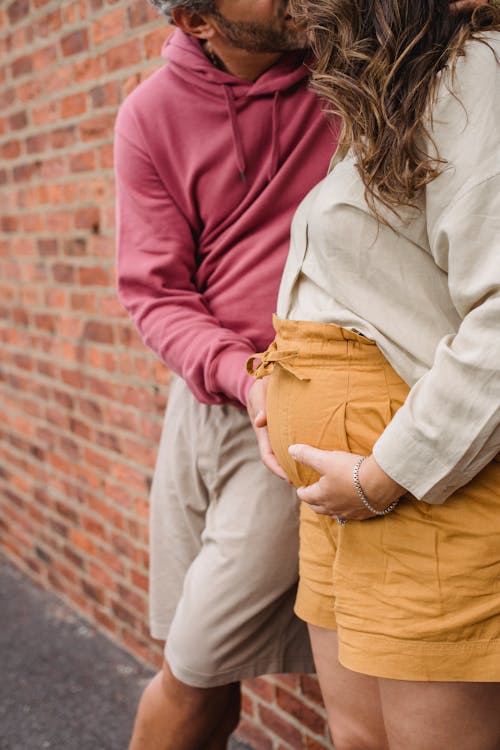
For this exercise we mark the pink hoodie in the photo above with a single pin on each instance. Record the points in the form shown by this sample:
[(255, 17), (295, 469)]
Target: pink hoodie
[(210, 169)]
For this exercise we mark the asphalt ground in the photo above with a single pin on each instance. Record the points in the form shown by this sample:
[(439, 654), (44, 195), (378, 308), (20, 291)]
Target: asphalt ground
[(63, 685)]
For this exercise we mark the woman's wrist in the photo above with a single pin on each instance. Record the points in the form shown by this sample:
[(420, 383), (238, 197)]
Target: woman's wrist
[(379, 488)]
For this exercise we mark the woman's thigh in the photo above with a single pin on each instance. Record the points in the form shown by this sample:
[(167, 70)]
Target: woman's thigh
[(438, 715), (379, 714), (352, 700)]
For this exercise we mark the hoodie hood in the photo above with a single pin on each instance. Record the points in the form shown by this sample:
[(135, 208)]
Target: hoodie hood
[(186, 58)]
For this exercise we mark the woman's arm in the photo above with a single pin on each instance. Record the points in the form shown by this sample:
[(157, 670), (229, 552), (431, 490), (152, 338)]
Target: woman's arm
[(448, 429)]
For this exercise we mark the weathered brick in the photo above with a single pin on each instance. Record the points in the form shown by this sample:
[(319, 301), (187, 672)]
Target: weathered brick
[(77, 41), (88, 218), (75, 247), (11, 149), (123, 55), (109, 26), (63, 137), (280, 726), (18, 10), (49, 23), (44, 58), (264, 689), (310, 688), (73, 105), (83, 162), (56, 80), (293, 706), (255, 735), (153, 42), (36, 143), (22, 66), (47, 247), (18, 120), (63, 273), (97, 331), (46, 113), (314, 744), (140, 13), (98, 127), (82, 541), (93, 276), (105, 95)]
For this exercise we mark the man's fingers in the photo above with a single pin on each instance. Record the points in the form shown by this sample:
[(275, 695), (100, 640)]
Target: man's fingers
[(266, 453), (272, 464), (260, 419), (270, 460), (313, 457)]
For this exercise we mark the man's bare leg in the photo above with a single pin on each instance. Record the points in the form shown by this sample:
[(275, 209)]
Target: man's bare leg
[(231, 718), (176, 716)]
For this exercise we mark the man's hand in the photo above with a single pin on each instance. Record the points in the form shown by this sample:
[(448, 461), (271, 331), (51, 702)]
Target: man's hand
[(256, 407)]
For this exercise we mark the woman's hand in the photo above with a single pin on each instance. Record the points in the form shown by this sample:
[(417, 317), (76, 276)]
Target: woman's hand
[(334, 493)]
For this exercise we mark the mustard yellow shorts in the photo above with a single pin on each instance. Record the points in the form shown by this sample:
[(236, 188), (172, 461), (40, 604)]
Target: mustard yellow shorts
[(414, 595)]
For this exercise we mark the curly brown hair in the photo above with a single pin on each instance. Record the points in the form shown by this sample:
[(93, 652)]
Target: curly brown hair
[(377, 65)]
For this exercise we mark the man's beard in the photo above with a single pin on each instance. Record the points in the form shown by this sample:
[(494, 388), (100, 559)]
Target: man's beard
[(262, 37)]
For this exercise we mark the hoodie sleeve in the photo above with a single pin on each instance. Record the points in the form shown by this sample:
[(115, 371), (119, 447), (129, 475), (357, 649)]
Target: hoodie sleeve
[(156, 266)]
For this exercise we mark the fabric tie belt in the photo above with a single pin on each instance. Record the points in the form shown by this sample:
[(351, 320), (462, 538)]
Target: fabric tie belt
[(287, 359)]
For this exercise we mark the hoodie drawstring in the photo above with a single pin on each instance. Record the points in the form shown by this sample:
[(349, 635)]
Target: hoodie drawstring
[(275, 125), (237, 141)]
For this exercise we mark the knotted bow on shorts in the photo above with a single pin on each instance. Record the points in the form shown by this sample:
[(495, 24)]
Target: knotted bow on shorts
[(285, 358)]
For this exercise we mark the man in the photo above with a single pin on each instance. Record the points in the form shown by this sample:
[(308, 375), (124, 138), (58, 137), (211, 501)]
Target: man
[(213, 154)]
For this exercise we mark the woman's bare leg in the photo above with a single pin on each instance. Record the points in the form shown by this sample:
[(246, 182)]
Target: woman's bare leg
[(352, 700), (370, 713), (439, 715)]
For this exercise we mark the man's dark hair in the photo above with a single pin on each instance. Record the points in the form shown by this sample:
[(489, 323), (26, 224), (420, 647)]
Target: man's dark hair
[(200, 6)]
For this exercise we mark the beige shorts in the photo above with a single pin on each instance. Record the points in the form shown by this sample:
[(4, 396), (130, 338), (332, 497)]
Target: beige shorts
[(224, 550)]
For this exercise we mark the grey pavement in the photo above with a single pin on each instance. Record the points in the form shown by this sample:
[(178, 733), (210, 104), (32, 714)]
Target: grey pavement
[(63, 685)]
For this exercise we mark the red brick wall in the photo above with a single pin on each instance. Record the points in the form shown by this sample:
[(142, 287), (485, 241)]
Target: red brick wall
[(81, 398)]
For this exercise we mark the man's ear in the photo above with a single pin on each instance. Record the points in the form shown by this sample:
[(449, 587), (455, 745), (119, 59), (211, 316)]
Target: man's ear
[(196, 24)]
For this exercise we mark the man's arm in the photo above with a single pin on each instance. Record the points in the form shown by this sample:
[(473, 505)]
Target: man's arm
[(156, 268)]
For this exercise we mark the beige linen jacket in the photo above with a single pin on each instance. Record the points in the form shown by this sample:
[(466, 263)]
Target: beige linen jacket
[(426, 289)]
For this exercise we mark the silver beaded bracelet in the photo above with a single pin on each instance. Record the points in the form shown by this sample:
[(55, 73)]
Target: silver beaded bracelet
[(362, 496)]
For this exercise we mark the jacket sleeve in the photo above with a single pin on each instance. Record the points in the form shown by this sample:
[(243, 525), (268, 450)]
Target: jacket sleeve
[(156, 265), (449, 427)]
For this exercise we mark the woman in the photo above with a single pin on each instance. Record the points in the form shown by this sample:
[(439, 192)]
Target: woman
[(383, 407)]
